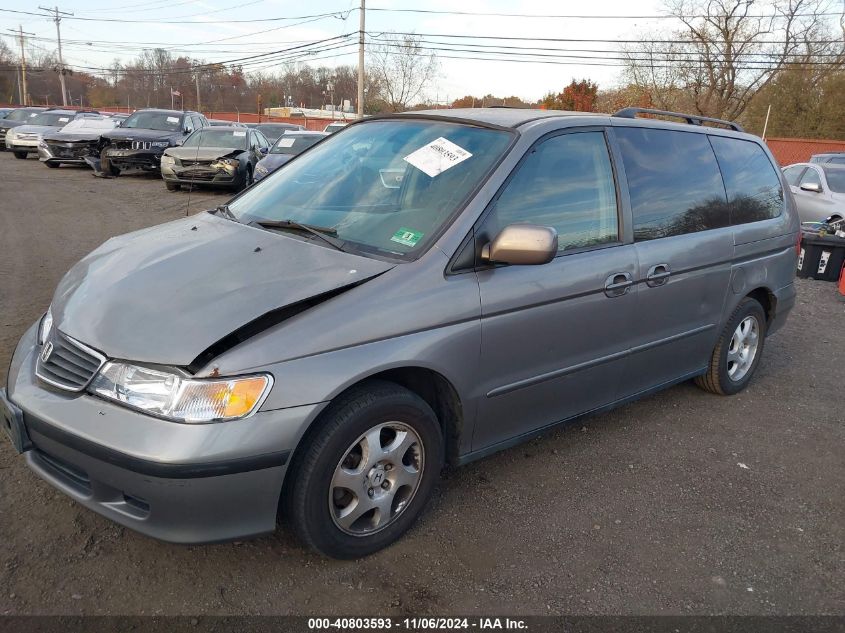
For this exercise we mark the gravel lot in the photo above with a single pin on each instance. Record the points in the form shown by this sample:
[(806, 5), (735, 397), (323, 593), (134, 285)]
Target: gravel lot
[(644, 510)]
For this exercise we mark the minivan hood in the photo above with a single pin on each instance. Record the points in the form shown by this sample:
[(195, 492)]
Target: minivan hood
[(164, 295)]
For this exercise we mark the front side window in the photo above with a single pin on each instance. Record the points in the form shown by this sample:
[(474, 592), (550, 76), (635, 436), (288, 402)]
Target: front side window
[(810, 177), (792, 174), (383, 187), (674, 182), (163, 121), (566, 183), (751, 181)]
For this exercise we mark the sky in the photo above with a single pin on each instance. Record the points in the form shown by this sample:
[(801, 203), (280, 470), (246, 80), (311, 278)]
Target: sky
[(221, 30)]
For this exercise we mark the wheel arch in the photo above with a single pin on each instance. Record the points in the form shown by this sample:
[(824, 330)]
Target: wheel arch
[(766, 298)]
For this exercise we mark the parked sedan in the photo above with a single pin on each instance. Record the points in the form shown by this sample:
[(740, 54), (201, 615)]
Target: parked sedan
[(23, 140), (837, 158), (219, 156), (17, 117), (222, 123), (274, 130), (289, 145), (75, 141), (818, 189)]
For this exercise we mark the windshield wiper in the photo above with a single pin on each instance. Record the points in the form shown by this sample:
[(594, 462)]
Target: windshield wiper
[(224, 211), (325, 233)]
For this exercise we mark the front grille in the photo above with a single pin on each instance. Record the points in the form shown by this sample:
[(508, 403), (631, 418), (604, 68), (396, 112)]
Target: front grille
[(72, 150), (67, 364), (191, 163)]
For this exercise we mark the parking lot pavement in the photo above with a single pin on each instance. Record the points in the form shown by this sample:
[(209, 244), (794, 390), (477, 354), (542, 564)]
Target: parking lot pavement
[(681, 503)]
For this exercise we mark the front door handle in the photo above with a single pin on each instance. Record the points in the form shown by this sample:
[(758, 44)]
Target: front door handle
[(618, 284), (657, 275)]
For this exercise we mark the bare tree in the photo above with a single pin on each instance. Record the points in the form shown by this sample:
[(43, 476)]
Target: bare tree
[(728, 50), (402, 70)]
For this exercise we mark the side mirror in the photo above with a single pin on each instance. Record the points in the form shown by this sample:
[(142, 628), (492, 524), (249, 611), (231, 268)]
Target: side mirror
[(526, 244), (263, 150), (812, 187)]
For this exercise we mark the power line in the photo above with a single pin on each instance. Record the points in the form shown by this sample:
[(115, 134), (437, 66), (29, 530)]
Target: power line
[(586, 17), (179, 20)]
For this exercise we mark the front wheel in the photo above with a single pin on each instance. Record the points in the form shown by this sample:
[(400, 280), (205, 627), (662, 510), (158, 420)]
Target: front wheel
[(738, 351), (367, 473), (20, 155)]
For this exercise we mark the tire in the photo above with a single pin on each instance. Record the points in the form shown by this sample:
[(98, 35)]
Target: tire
[(51, 165), (172, 186), (106, 166), (338, 453), (247, 178), (733, 362), (20, 155)]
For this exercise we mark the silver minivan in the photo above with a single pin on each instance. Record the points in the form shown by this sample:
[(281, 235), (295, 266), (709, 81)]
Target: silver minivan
[(415, 291)]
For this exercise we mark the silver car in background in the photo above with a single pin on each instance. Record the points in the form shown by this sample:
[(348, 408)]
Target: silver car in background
[(413, 291), (819, 190)]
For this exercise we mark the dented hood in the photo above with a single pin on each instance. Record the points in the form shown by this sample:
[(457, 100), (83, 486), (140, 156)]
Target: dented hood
[(203, 153), (164, 295)]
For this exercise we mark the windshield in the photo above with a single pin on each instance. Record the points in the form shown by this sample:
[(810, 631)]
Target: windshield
[(51, 118), (384, 186), (154, 121), (208, 137), (21, 115), (294, 144), (835, 178)]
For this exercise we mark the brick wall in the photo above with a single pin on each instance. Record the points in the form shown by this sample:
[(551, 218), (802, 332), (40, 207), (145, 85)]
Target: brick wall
[(799, 150)]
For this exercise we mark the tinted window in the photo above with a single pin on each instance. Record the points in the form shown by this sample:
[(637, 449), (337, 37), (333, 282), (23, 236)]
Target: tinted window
[(751, 181), (792, 174), (835, 178), (565, 182), (674, 182), (810, 177)]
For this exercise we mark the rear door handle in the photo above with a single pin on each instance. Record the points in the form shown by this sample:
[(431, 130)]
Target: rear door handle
[(618, 284), (657, 275)]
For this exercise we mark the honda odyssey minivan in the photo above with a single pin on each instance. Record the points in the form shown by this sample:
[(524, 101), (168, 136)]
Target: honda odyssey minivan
[(416, 290)]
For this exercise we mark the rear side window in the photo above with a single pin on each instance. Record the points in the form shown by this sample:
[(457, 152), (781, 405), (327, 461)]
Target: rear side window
[(674, 182), (751, 181), (565, 182)]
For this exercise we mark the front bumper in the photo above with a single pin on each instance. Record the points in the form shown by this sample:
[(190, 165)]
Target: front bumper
[(183, 483), (202, 175), (66, 153), (149, 159), (22, 145)]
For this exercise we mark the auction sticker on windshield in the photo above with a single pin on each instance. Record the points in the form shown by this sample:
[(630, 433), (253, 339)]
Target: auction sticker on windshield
[(406, 237), (438, 156)]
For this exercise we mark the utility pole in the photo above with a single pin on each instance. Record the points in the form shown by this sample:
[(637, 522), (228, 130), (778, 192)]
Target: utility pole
[(57, 19), (197, 77), (361, 61), (22, 85)]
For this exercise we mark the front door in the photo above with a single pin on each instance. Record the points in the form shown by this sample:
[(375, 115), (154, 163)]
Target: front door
[(554, 336)]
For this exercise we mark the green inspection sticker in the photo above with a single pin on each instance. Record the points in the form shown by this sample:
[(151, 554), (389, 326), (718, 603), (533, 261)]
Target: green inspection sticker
[(406, 237)]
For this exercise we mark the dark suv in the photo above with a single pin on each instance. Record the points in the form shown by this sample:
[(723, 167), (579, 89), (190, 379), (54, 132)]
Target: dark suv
[(142, 138)]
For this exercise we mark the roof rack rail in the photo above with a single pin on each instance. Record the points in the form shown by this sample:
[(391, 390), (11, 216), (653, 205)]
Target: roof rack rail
[(692, 119)]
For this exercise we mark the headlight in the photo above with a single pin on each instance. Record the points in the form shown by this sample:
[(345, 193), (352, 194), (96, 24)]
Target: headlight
[(261, 169), (45, 326), (11, 135), (172, 396), (42, 144), (168, 160), (160, 144), (226, 162)]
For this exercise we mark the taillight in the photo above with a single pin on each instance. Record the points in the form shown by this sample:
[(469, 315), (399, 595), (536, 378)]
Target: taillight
[(798, 243)]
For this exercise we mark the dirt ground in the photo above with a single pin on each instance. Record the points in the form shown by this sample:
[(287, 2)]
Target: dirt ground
[(644, 510)]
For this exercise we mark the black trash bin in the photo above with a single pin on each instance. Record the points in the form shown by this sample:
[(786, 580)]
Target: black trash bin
[(821, 257)]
